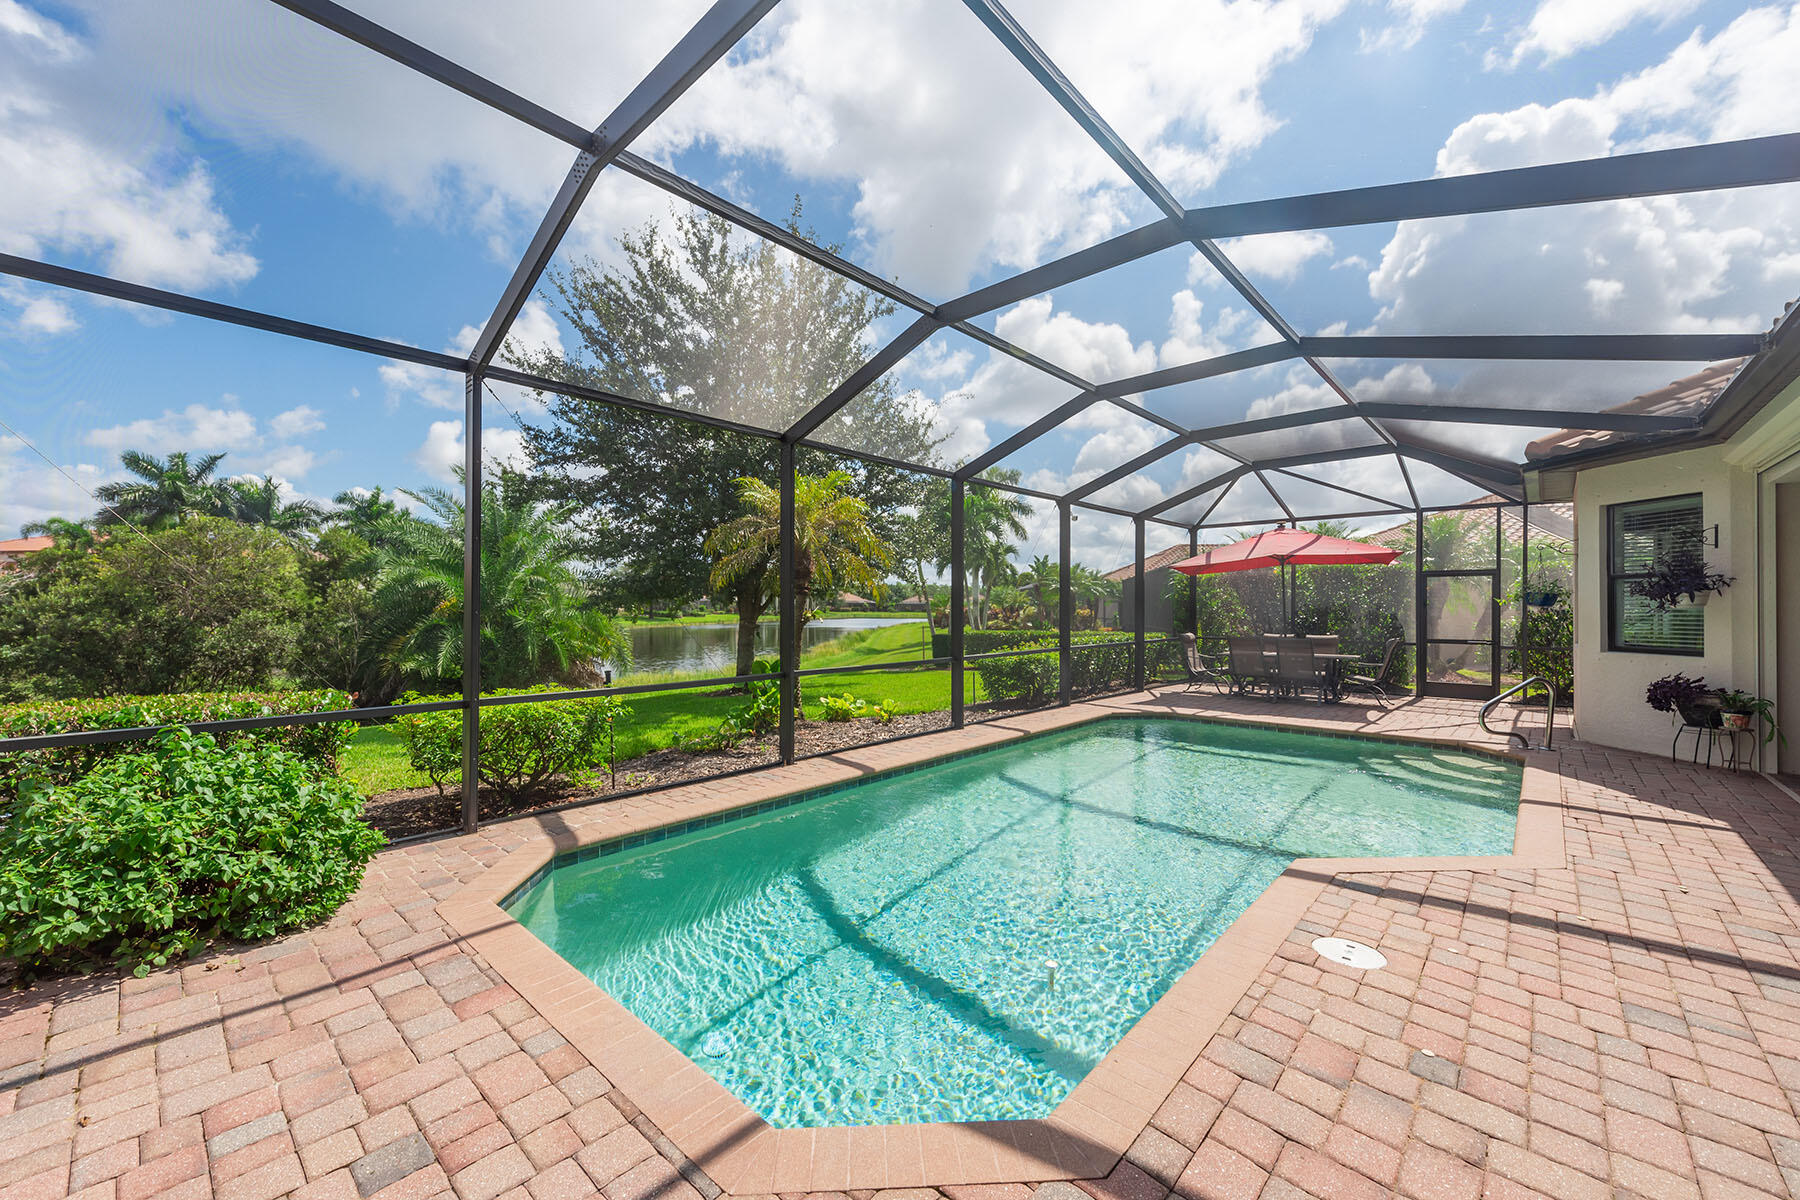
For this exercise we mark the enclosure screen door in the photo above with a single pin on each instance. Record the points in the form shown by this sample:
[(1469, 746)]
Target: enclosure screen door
[(1459, 636)]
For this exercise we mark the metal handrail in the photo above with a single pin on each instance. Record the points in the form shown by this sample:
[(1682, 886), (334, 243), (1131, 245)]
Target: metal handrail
[(1515, 689)]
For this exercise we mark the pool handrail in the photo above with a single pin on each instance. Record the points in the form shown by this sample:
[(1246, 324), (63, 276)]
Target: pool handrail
[(1549, 712)]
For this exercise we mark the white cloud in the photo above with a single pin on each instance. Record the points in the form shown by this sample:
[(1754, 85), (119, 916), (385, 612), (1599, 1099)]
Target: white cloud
[(1407, 24), (1009, 391), (440, 455), (1697, 262), (35, 491), (36, 34), (923, 114), (39, 314), (198, 427), (533, 331), (252, 448), (1191, 339), (295, 422), (1278, 256), (1560, 28)]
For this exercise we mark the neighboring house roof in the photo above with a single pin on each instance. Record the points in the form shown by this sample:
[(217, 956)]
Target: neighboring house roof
[(1720, 398), (1685, 397), (26, 545), (1552, 521), (852, 598), (1154, 562)]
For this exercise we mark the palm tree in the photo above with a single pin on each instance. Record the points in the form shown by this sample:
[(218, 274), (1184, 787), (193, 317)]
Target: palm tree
[(1043, 579), (538, 622), (834, 546), (1089, 587), (362, 511), (991, 517), (165, 491), (259, 502)]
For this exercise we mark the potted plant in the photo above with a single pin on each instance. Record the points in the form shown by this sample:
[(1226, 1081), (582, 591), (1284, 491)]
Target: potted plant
[(1696, 703), (1738, 709), (1679, 578), (1544, 591)]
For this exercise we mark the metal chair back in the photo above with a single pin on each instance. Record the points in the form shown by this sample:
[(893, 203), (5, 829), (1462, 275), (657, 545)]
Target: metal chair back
[(1294, 660), (1247, 658)]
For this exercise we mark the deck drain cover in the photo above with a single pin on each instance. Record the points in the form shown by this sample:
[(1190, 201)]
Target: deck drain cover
[(1350, 954)]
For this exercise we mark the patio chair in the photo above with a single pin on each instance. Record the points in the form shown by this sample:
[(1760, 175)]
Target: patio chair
[(1298, 670), (1202, 669), (1249, 669), (1374, 679), (1323, 643)]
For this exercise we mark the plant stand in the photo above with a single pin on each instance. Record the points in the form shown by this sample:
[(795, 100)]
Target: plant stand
[(1720, 737)]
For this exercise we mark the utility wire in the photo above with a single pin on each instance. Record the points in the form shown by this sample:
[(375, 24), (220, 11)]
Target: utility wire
[(27, 443)]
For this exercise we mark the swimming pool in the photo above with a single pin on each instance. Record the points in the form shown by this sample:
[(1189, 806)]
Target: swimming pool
[(881, 953)]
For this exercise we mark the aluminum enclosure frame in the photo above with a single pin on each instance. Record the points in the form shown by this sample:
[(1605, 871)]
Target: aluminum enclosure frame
[(1744, 163)]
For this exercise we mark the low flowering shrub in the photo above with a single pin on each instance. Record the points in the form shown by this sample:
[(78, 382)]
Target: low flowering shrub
[(849, 708), (524, 748), (319, 744), (172, 843)]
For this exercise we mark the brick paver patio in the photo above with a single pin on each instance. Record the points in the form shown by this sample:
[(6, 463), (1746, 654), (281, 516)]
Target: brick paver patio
[(1625, 1025)]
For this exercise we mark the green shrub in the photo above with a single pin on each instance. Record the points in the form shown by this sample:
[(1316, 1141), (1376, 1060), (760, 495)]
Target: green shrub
[(1033, 677), (1100, 662), (175, 842), (523, 747), (842, 708), (320, 744), (1027, 677)]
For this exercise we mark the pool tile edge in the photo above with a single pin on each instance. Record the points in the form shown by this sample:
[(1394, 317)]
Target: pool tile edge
[(1088, 1133)]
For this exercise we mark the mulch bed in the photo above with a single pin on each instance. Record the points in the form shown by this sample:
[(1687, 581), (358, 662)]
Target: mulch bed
[(406, 812)]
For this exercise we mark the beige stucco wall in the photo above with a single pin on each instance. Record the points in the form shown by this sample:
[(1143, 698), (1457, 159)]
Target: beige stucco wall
[(1609, 684), (1743, 643)]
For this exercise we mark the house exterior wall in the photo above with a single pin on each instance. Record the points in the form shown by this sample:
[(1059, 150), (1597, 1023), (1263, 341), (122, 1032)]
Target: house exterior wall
[(1736, 481), (1787, 618)]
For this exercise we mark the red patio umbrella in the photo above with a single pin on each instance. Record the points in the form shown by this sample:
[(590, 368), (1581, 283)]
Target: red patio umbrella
[(1283, 547)]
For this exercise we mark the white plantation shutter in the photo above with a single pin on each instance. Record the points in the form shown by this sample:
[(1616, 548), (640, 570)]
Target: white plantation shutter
[(1639, 534)]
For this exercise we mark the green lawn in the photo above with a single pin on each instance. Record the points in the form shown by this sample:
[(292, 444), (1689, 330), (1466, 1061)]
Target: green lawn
[(376, 759), (730, 618)]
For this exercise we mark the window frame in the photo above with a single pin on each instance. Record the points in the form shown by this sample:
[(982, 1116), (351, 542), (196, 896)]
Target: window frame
[(1615, 641)]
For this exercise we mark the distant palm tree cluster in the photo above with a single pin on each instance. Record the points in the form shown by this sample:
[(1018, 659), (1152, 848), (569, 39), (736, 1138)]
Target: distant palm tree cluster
[(165, 491)]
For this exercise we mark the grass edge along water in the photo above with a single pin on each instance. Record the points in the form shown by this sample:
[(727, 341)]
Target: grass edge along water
[(879, 952)]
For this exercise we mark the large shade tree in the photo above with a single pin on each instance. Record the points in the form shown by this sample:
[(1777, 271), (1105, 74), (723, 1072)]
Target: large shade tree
[(704, 319), (834, 545)]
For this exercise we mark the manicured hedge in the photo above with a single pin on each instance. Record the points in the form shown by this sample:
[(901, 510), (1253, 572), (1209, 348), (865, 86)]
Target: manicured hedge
[(172, 843), (982, 641), (319, 744), (1033, 677), (525, 749)]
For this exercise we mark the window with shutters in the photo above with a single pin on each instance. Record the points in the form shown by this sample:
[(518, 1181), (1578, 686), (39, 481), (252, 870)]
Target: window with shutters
[(1639, 535)]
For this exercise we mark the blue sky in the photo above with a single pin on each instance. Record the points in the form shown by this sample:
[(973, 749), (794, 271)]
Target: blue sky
[(263, 162)]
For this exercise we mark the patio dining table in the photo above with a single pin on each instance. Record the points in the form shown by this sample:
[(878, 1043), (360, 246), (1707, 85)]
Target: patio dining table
[(1338, 661)]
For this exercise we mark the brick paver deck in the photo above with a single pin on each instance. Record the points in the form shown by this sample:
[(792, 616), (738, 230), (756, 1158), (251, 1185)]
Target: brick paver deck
[(1625, 1024)]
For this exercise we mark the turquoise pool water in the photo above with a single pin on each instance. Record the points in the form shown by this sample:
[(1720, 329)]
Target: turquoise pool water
[(877, 954)]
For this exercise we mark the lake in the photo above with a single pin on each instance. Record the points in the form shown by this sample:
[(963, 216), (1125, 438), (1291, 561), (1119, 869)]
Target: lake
[(661, 649)]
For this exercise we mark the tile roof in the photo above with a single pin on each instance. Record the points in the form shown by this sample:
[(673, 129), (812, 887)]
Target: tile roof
[(26, 545), (1554, 521), (1153, 562), (1685, 397)]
